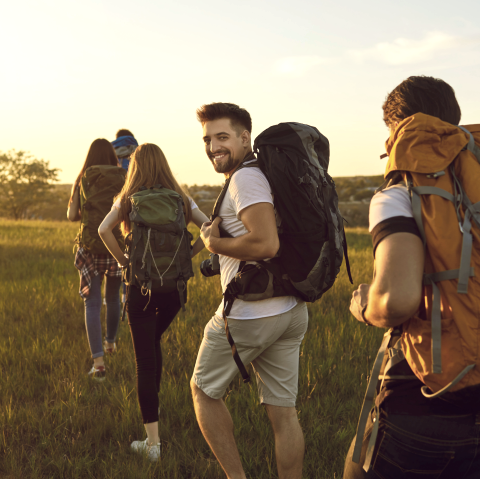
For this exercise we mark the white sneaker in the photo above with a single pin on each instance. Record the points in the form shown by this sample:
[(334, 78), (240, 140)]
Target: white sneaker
[(97, 374), (142, 447)]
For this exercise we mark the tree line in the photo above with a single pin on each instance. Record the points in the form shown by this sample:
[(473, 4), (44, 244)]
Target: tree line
[(29, 189), (26, 184)]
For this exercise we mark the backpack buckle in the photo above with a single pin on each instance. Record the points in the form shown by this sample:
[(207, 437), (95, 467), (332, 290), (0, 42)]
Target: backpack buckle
[(436, 175), (232, 289), (181, 286), (306, 179)]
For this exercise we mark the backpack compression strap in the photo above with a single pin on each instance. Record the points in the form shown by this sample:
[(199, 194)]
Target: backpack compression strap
[(331, 229), (345, 254)]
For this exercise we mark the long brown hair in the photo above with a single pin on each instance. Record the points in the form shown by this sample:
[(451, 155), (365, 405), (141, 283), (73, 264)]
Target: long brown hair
[(101, 152), (148, 167)]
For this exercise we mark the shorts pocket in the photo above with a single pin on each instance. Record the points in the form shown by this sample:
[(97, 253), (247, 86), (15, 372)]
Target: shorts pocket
[(397, 460)]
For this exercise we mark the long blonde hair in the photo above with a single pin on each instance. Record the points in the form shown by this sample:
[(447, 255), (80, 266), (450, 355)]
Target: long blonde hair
[(148, 167)]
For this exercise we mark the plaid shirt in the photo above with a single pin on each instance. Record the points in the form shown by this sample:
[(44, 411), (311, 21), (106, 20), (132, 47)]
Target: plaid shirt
[(88, 264)]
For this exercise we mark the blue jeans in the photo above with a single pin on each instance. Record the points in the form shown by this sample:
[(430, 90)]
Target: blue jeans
[(410, 447), (93, 306)]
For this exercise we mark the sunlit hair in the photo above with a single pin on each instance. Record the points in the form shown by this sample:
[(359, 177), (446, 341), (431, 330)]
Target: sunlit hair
[(421, 94), (101, 152), (123, 132), (148, 167), (239, 117)]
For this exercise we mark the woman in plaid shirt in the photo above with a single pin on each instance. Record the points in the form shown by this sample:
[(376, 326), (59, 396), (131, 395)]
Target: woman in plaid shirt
[(93, 268)]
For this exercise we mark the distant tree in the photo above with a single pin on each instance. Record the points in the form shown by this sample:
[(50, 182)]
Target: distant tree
[(25, 183), (364, 194)]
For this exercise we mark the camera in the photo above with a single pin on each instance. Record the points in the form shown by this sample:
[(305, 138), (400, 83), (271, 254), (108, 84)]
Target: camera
[(211, 266)]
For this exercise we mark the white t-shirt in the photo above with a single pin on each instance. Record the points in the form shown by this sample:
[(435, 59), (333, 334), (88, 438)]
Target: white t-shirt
[(193, 205), (391, 202), (247, 187)]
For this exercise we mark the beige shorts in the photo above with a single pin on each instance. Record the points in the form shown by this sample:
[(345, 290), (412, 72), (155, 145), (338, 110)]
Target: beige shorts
[(271, 344)]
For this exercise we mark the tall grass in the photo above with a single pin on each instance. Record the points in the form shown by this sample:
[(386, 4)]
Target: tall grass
[(56, 423)]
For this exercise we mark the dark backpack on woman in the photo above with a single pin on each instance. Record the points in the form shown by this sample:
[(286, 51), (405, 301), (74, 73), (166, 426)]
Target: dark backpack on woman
[(158, 247), (98, 187), (294, 157)]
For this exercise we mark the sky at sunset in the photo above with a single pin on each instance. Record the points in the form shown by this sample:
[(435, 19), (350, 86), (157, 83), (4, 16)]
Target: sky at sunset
[(76, 71)]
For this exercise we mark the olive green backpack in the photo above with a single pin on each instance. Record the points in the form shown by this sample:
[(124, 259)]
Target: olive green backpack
[(98, 187), (158, 246)]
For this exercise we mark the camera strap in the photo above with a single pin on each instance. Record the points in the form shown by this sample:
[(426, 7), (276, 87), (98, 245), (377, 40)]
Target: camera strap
[(228, 299)]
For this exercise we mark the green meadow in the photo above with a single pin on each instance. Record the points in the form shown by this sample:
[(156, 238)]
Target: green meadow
[(57, 423)]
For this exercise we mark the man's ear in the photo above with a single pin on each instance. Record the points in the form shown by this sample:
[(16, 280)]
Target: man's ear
[(246, 138)]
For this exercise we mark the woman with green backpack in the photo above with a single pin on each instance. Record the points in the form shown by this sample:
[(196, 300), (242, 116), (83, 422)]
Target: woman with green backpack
[(153, 212), (98, 182)]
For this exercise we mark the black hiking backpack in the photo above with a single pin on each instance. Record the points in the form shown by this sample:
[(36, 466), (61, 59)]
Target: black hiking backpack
[(294, 157)]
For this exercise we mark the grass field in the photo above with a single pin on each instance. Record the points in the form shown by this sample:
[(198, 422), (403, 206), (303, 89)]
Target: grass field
[(56, 423)]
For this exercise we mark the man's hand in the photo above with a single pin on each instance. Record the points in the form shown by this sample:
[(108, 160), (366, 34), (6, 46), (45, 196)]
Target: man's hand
[(259, 242), (209, 232), (359, 301)]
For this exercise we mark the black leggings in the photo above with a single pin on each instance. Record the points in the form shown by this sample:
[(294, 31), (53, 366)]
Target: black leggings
[(146, 328)]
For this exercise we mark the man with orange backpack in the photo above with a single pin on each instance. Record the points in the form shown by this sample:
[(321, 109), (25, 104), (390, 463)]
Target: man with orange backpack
[(425, 225)]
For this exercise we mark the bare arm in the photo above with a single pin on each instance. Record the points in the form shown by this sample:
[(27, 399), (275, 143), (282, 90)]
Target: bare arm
[(198, 218), (73, 211), (260, 242), (396, 291), (105, 231)]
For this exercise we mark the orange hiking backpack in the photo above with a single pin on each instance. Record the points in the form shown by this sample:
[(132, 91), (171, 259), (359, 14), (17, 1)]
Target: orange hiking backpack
[(440, 164)]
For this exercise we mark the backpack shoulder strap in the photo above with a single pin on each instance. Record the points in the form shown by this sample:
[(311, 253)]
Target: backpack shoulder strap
[(392, 179), (219, 201)]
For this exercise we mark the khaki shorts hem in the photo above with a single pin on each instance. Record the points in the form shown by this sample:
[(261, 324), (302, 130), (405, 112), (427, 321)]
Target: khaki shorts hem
[(277, 402), (211, 393)]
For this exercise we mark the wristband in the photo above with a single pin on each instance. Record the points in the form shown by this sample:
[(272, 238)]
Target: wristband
[(365, 320)]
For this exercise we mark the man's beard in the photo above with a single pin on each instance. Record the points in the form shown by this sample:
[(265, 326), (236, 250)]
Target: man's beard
[(225, 166)]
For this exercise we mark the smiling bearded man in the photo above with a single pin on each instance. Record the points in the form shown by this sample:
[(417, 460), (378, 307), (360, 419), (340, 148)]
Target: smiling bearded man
[(223, 159), (267, 333)]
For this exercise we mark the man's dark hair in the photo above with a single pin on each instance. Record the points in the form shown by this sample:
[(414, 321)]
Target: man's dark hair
[(239, 117), (123, 132), (421, 94)]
